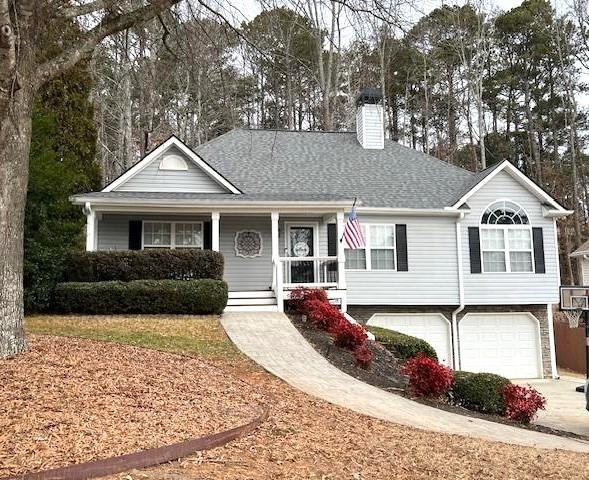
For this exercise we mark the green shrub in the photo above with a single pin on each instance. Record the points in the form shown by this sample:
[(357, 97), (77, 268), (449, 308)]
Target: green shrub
[(141, 296), (129, 265), (479, 391), (402, 346)]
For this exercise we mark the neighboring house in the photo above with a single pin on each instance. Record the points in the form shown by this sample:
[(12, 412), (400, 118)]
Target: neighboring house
[(581, 254), (466, 261)]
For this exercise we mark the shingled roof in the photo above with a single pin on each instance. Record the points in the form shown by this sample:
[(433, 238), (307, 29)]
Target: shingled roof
[(269, 162)]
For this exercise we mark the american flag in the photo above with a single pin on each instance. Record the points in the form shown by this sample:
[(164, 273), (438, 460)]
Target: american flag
[(353, 231)]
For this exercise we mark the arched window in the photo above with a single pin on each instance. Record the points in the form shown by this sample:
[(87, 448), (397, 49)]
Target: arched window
[(173, 162), (504, 212), (506, 238)]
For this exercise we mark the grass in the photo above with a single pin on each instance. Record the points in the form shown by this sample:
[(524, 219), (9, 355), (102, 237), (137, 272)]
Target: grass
[(200, 336)]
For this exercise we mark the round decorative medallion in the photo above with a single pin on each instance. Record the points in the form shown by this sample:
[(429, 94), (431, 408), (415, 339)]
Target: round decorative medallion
[(248, 244), (301, 249)]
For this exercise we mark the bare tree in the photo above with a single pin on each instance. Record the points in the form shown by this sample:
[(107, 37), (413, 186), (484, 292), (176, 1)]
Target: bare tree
[(25, 65)]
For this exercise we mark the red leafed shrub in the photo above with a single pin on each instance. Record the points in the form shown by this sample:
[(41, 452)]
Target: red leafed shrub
[(363, 355), (522, 403), (322, 314), (427, 378), (349, 335), (301, 295)]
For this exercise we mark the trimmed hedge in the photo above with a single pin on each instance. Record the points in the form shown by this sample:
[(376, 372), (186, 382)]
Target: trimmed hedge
[(129, 265), (141, 296), (480, 392), (402, 346)]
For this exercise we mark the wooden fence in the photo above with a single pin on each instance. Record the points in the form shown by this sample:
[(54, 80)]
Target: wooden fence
[(570, 346)]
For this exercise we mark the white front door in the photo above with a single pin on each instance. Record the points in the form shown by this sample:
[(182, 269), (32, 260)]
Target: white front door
[(434, 328), (507, 344)]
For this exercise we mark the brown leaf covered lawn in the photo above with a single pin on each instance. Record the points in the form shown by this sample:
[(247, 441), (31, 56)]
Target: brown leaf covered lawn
[(71, 400)]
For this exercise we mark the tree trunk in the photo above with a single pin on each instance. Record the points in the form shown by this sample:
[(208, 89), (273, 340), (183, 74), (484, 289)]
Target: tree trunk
[(15, 139)]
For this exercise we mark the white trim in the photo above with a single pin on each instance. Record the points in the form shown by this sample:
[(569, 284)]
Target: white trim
[(172, 245), (249, 230), (520, 177), (172, 141), (341, 252), (91, 229), (420, 314), (551, 341), (529, 314), (215, 234)]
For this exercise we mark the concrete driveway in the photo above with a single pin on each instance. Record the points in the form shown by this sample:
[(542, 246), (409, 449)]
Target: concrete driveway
[(565, 408)]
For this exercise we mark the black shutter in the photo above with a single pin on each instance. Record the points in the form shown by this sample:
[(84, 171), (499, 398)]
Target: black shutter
[(207, 236), (331, 240), (135, 232), (474, 244), (402, 261), (539, 262)]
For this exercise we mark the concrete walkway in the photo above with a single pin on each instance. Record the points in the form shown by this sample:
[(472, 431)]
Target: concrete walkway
[(565, 408), (274, 343)]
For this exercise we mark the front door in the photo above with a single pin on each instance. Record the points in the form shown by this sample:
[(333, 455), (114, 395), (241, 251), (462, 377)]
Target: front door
[(301, 240)]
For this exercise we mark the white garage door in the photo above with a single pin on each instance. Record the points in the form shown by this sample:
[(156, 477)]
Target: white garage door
[(431, 327), (506, 344)]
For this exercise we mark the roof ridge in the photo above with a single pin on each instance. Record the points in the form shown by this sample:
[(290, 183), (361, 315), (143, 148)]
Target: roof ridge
[(286, 130)]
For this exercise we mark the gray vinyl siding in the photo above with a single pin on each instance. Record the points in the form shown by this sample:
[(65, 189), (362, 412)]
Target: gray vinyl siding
[(510, 288), (432, 278), (246, 273), (113, 228), (369, 126), (152, 179)]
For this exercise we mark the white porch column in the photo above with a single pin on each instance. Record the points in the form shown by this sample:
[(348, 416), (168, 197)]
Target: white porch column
[(275, 253), (91, 228), (276, 265), (215, 231), (341, 260)]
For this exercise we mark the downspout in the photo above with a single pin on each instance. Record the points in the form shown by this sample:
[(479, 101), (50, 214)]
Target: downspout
[(455, 355)]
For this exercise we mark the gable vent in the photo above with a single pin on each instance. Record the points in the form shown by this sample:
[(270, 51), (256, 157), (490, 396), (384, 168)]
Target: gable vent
[(369, 119), (173, 162)]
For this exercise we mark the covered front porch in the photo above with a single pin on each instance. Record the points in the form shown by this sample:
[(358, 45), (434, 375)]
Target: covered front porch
[(268, 252)]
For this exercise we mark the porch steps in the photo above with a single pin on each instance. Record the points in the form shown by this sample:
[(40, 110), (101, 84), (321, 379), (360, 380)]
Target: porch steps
[(252, 301), (252, 294)]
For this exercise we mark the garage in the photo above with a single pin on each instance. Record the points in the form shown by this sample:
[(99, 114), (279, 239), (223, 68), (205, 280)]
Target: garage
[(507, 344), (434, 328)]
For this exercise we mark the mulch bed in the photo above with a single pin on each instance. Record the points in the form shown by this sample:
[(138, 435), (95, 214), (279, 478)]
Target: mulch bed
[(69, 401), (383, 373)]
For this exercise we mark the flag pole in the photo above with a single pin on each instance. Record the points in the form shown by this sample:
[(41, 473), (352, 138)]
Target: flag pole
[(353, 205)]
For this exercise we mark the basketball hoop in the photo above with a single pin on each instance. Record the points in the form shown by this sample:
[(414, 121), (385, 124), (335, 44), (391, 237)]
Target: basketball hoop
[(573, 316)]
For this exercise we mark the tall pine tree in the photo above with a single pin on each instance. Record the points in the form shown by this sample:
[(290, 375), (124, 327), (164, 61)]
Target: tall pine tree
[(61, 164)]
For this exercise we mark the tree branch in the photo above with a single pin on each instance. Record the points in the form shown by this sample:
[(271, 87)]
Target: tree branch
[(109, 25), (74, 11)]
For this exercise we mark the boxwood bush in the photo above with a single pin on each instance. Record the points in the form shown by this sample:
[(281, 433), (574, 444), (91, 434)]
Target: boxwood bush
[(141, 296), (480, 392), (402, 346), (129, 265)]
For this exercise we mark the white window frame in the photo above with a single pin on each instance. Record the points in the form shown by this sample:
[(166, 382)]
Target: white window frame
[(368, 248), (506, 249), (172, 245)]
